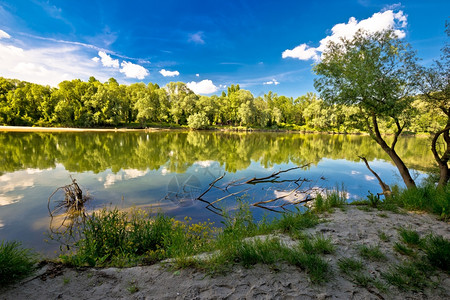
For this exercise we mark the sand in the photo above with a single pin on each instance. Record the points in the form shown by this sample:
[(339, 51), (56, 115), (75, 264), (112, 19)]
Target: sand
[(347, 229)]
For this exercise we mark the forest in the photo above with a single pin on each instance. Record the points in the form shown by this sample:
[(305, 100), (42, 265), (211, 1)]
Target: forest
[(91, 104)]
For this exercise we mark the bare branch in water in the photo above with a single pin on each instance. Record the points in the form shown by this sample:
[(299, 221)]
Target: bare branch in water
[(302, 195)]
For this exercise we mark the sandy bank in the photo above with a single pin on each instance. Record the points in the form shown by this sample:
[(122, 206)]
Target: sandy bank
[(347, 229)]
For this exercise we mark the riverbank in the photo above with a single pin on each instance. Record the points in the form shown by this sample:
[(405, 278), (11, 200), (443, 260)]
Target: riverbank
[(349, 229)]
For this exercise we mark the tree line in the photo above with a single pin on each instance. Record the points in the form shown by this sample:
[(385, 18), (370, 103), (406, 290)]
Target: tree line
[(77, 103)]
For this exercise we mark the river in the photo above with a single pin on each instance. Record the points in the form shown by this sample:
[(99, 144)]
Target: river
[(165, 171)]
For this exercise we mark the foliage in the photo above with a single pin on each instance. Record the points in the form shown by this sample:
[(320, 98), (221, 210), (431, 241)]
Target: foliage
[(16, 262), (94, 104), (376, 73), (198, 121)]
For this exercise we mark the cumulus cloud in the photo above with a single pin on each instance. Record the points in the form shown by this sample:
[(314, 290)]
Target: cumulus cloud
[(96, 59), (198, 75), (302, 52), (377, 22), (107, 61), (203, 87), (197, 38), (133, 70), (4, 35), (166, 73), (273, 81)]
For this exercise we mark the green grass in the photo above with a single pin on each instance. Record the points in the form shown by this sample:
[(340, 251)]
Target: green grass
[(354, 270), (333, 199), (383, 236), (409, 237), (437, 251), (114, 238), (413, 276), (16, 262), (350, 265), (423, 198), (371, 252), (403, 249), (317, 245), (293, 223)]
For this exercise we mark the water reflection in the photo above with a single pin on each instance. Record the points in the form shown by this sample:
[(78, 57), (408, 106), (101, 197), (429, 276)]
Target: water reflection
[(141, 169)]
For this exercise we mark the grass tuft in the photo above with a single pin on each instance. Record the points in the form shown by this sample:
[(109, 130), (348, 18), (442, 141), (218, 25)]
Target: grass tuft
[(317, 245), (409, 237), (437, 250), (350, 265), (16, 262), (371, 253)]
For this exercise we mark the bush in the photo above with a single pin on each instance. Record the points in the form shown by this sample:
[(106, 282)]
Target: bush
[(198, 121), (15, 262)]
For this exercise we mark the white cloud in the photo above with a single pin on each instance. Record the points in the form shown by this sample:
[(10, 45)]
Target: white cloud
[(4, 35), (198, 75), (203, 87), (302, 52), (377, 22), (197, 38), (96, 59), (107, 61), (369, 178), (273, 81), (166, 73), (133, 71)]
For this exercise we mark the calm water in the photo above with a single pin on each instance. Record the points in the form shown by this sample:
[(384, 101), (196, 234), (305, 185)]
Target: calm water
[(166, 171)]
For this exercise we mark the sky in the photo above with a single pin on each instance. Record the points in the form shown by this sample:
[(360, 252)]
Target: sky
[(260, 45)]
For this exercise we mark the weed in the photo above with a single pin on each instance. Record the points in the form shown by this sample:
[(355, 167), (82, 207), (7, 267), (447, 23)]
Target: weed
[(133, 288), (382, 215), (16, 262), (383, 236), (333, 199), (317, 268), (409, 276), (426, 198), (66, 280), (409, 237), (292, 223), (374, 200), (371, 252), (437, 251), (350, 265), (317, 245), (404, 250)]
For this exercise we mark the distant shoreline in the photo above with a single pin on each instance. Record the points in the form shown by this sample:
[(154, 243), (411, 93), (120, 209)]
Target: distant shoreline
[(71, 129)]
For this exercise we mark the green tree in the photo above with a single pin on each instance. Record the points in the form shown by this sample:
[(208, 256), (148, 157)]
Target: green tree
[(376, 73)]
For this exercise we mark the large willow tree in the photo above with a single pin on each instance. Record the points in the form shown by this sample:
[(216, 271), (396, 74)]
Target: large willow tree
[(374, 72)]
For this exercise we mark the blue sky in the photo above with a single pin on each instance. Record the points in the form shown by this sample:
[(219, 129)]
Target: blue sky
[(261, 45)]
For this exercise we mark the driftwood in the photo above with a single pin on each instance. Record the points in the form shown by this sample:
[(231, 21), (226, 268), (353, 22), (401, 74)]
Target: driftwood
[(384, 187), (67, 213), (304, 194)]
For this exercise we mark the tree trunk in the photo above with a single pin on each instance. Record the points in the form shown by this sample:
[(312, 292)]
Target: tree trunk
[(442, 161), (404, 172)]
